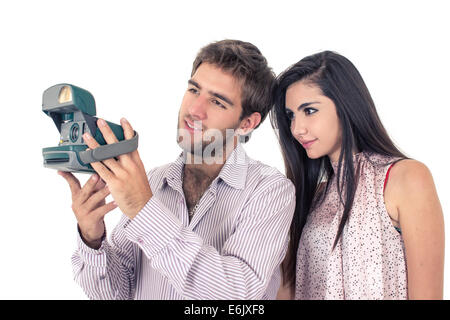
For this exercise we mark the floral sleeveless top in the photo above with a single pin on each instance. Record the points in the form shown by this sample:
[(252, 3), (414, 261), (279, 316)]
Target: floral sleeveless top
[(369, 260)]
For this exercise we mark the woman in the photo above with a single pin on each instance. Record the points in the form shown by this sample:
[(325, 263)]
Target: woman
[(368, 223)]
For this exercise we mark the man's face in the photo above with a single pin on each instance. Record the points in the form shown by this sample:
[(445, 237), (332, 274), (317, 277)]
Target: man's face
[(210, 111)]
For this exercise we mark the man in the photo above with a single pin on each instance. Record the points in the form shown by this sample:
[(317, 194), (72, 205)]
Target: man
[(213, 224)]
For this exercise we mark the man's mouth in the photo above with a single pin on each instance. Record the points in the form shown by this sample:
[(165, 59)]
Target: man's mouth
[(195, 126)]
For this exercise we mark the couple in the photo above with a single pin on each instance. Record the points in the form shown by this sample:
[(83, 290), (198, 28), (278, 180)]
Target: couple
[(354, 219)]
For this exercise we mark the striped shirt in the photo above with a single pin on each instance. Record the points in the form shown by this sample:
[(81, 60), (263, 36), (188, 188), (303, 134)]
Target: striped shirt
[(231, 249)]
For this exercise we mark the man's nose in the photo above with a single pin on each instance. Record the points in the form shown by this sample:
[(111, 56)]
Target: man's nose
[(198, 108)]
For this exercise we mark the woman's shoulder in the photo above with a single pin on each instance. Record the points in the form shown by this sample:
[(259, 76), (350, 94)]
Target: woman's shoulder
[(410, 194), (378, 160), (403, 169), (410, 181), (410, 173)]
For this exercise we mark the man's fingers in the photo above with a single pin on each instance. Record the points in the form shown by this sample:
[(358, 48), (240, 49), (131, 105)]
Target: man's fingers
[(105, 171), (88, 188), (74, 184), (128, 133), (103, 210), (100, 184), (96, 198), (106, 131), (110, 138), (104, 166)]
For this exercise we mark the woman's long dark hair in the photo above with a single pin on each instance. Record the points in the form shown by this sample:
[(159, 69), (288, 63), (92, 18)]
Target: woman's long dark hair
[(362, 130)]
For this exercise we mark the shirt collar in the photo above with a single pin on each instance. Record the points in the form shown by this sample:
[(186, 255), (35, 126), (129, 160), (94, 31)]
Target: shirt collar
[(233, 173)]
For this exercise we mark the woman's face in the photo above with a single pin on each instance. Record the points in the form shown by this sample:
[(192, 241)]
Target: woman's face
[(314, 121)]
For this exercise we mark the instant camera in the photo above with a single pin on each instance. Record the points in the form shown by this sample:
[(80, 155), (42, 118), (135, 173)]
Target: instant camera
[(73, 112)]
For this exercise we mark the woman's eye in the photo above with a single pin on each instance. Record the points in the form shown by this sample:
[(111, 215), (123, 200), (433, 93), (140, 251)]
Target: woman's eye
[(290, 115), (309, 111)]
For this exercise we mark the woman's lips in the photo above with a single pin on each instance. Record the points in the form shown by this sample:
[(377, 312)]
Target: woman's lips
[(307, 144)]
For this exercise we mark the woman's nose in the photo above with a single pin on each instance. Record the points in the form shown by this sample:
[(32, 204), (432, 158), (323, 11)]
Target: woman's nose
[(298, 128)]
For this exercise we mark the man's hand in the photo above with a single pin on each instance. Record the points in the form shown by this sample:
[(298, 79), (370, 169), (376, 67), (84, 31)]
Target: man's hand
[(88, 204), (124, 175)]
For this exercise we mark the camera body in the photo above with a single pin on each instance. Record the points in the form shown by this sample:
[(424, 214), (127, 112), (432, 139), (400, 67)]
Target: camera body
[(73, 112)]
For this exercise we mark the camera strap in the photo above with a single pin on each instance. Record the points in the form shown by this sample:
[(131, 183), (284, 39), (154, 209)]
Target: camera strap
[(108, 151)]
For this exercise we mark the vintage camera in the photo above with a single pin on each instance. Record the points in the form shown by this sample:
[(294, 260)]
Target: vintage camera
[(73, 112)]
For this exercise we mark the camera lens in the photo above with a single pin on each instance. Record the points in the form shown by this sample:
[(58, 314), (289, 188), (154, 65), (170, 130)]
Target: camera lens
[(74, 131)]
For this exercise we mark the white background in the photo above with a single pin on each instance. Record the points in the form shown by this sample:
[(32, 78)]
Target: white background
[(136, 56)]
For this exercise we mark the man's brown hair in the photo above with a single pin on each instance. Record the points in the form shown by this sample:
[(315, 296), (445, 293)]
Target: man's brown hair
[(245, 62)]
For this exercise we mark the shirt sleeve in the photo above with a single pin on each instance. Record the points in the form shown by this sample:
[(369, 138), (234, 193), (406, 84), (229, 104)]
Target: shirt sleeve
[(245, 264), (107, 273)]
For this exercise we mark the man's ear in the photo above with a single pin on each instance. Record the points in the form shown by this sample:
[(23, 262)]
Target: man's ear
[(249, 123)]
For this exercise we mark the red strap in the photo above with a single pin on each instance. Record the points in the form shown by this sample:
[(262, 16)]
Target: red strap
[(387, 176)]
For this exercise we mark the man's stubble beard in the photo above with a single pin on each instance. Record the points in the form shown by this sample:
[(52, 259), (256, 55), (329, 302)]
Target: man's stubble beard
[(208, 145)]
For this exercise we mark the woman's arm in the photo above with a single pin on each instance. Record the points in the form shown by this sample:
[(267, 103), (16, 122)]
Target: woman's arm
[(285, 292), (419, 213)]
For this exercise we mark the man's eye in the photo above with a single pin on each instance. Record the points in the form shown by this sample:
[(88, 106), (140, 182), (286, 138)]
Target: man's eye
[(218, 103), (192, 90)]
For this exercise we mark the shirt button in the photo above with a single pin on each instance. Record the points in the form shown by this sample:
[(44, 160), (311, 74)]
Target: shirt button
[(102, 277), (140, 240)]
